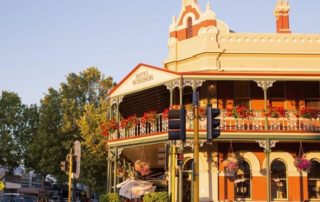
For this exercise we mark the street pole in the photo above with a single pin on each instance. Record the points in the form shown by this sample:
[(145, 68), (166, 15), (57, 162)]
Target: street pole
[(196, 154), (173, 172), (180, 184), (70, 176), (267, 153)]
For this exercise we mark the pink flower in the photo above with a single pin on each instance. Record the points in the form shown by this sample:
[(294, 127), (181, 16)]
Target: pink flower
[(302, 163)]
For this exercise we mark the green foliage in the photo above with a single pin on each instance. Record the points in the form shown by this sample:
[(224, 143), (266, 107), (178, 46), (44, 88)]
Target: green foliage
[(156, 197), (47, 147), (18, 124), (73, 113), (109, 197)]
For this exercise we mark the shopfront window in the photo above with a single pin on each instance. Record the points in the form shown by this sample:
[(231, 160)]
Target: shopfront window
[(314, 180), (243, 181), (278, 180)]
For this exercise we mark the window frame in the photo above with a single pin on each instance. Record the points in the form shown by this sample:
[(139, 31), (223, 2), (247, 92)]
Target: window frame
[(250, 181), (282, 179), (315, 179)]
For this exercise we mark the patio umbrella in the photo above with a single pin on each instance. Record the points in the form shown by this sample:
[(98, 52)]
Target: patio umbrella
[(132, 188)]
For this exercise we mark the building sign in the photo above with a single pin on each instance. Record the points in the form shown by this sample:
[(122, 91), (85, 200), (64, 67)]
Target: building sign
[(142, 78)]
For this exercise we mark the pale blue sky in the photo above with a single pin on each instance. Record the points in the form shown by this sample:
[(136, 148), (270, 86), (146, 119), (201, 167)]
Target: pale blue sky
[(41, 41)]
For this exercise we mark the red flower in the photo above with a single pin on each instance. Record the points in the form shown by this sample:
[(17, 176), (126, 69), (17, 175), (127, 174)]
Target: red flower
[(310, 112), (129, 122), (202, 111), (240, 111), (109, 127), (104, 129), (276, 112), (150, 117), (165, 113)]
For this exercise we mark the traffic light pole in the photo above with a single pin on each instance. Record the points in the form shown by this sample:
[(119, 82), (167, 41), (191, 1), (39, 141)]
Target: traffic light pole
[(173, 172), (196, 154), (70, 176)]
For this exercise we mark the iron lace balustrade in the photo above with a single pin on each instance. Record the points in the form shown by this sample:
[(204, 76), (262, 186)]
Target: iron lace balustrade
[(255, 122)]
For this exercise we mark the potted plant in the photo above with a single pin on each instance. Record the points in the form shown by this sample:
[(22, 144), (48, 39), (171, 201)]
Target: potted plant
[(231, 164), (240, 111), (109, 127), (142, 168), (302, 163), (276, 112), (165, 114), (309, 112), (129, 122), (149, 117)]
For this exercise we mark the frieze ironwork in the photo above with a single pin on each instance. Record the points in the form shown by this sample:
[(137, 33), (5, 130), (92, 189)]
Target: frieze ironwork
[(265, 84), (263, 143)]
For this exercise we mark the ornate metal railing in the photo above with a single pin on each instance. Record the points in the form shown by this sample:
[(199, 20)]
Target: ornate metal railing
[(255, 122)]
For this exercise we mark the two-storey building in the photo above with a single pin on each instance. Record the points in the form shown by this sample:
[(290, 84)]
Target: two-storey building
[(267, 86)]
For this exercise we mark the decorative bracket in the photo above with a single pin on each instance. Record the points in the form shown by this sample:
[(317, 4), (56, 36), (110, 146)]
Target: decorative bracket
[(263, 144), (172, 85), (193, 83), (265, 84), (117, 100)]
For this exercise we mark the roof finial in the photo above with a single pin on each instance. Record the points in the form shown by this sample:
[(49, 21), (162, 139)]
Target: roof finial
[(208, 7), (189, 2)]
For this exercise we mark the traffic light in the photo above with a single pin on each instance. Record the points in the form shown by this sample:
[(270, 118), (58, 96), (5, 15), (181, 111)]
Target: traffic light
[(74, 163), (63, 166), (180, 159), (213, 123), (177, 124)]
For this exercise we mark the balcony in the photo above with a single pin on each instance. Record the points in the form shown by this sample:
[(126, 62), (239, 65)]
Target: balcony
[(257, 121)]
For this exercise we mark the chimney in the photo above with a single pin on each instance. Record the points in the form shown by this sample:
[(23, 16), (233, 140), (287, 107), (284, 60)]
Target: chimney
[(282, 16)]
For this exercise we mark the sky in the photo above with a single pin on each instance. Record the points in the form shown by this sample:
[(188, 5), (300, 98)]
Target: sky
[(42, 41)]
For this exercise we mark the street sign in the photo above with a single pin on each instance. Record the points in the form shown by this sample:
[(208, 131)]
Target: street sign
[(77, 152), (2, 186)]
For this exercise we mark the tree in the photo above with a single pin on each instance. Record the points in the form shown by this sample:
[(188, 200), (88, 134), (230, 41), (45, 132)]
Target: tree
[(46, 149), (18, 124), (61, 111), (94, 165)]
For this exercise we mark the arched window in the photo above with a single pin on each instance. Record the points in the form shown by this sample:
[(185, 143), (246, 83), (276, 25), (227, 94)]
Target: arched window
[(243, 181), (314, 180), (278, 180), (189, 28), (187, 179)]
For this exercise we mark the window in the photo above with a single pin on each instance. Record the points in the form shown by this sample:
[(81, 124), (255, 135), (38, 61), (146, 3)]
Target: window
[(278, 180), (243, 180), (314, 180), (312, 94), (277, 94), (189, 28), (241, 93)]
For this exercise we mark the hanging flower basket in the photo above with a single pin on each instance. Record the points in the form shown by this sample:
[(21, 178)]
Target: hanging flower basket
[(231, 164), (142, 168), (302, 163)]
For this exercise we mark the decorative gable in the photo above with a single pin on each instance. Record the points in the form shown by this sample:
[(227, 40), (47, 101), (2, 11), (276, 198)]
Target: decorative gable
[(143, 77)]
